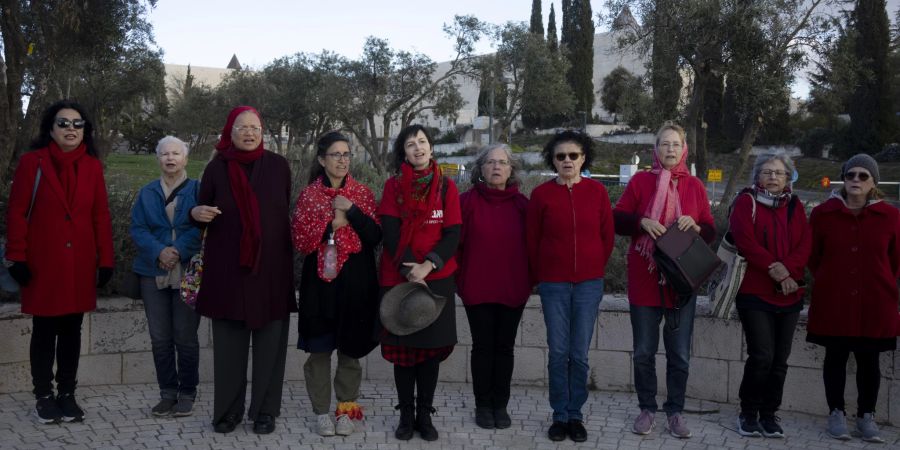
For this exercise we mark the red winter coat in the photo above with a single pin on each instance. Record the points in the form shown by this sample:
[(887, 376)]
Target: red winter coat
[(856, 262), (643, 286), (569, 232), (770, 238), (62, 246)]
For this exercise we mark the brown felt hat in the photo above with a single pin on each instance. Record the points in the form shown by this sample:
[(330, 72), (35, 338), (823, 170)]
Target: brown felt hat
[(410, 307)]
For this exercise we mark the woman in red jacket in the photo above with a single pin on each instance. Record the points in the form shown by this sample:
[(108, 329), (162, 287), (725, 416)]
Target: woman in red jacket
[(856, 262), (59, 241), (494, 294), (664, 197), (420, 219), (569, 234), (769, 228)]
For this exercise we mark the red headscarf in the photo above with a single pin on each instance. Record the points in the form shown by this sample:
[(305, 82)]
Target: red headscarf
[(666, 205), (244, 196)]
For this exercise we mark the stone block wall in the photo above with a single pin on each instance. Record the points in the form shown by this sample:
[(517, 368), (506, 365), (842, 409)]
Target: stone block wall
[(116, 350)]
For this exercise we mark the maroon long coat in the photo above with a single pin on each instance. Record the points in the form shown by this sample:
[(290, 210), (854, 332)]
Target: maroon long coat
[(63, 245), (856, 262), (228, 291)]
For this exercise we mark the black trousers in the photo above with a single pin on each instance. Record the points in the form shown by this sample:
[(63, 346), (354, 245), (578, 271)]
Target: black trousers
[(868, 378), (422, 376), (494, 328), (231, 348), (769, 337), (55, 338)]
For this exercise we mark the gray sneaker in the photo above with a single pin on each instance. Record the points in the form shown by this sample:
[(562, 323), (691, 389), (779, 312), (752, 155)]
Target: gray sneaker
[(837, 425), (643, 425), (324, 425), (344, 426), (677, 426), (184, 407), (867, 428)]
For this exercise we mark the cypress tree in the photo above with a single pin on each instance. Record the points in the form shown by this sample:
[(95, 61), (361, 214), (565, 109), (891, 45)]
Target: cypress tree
[(552, 40), (537, 18), (665, 78), (566, 38), (871, 121), (580, 52)]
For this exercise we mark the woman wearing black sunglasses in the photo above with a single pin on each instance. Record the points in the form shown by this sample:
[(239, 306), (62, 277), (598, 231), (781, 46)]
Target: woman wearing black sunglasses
[(855, 261), (569, 237), (59, 245)]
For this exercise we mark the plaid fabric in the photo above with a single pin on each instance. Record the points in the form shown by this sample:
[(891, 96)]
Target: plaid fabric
[(408, 356)]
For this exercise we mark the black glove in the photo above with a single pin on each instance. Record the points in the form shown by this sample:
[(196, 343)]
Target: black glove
[(104, 274), (20, 272)]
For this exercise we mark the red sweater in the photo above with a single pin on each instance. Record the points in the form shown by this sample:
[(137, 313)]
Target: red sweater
[(643, 286), (856, 262), (771, 238), (493, 229), (569, 231)]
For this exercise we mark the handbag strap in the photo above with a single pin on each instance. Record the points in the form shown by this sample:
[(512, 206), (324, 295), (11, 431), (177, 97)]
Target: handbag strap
[(37, 181)]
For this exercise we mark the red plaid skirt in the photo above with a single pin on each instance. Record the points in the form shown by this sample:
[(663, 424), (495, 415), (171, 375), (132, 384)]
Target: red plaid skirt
[(408, 356)]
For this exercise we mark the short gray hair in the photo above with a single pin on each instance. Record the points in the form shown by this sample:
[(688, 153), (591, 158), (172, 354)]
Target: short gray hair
[(481, 159), (763, 158), (170, 140)]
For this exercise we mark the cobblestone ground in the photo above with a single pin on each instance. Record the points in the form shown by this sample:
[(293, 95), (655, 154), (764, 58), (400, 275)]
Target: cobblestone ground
[(118, 417)]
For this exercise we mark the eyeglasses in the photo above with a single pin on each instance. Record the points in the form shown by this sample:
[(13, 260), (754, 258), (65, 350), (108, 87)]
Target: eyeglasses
[(776, 173), (66, 123), (339, 156), (573, 156), (497, 162), (246, 129), (861, 176)]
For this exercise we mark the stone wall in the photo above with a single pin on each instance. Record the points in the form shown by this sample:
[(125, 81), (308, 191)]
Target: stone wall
[(116, 350)]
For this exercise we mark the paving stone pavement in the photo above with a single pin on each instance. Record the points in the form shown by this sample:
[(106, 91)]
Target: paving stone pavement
[(118, 417)]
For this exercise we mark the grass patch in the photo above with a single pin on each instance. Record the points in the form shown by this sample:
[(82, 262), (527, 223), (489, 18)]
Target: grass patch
[(131, 172)]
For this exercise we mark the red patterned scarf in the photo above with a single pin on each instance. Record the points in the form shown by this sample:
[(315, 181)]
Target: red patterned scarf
[(314, 211), (244, 196), (420, 194), (64, 163), (666, 205)]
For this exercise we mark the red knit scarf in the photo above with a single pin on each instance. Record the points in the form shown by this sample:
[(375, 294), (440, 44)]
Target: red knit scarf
[(314, 211), (666, 205), (244, 196), (420, 194), (64, 163)]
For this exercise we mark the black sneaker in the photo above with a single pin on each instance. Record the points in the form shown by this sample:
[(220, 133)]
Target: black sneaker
[(71, 412), (46, 410), (163, 408), (748, 426), (558, 431), (576, 431), (770, 426)]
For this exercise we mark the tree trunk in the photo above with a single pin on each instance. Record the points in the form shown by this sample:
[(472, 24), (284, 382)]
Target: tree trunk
[(13, 74), (751, 129), (692, 120)]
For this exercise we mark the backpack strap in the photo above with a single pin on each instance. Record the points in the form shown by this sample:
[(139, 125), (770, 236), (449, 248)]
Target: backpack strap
[(37, 181)]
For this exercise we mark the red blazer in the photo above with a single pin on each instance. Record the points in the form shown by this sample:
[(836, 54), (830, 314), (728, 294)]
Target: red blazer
[(771, 238), (856, 262), (643, 286), (569, 232), (63, 246)]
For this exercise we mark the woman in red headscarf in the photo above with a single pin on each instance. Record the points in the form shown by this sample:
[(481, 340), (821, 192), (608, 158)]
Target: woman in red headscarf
[(247, 287), (666, 196)]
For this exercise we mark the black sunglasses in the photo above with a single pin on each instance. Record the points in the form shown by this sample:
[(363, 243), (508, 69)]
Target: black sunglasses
[(65, 123), (861, 176), (573, 156)]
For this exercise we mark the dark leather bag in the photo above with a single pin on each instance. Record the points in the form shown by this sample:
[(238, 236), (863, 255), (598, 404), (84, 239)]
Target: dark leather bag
[(685, 262)]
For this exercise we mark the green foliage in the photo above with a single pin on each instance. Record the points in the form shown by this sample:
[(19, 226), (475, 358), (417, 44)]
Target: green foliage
[(552, 39), (579, 49), (623, 94), (537, 19), (872, 123)]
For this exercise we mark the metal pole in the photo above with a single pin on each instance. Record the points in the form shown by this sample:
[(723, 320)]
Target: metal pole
[(491, 119)]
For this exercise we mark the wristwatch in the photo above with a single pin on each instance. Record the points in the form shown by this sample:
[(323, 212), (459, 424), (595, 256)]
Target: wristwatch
[(433, 265)]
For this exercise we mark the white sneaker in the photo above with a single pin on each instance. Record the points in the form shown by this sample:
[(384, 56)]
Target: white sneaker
[(324, 425), (344, 425)]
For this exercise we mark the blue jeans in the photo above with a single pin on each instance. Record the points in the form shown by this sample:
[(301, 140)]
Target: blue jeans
[(570, 313), (173, 329), (645, 321)]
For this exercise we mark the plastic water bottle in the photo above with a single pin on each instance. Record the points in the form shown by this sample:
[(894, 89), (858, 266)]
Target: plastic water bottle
[(330, 258)]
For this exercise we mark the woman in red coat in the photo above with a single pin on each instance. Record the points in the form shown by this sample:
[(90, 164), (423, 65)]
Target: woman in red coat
[(653, 201), (856, 262), (59, 241)]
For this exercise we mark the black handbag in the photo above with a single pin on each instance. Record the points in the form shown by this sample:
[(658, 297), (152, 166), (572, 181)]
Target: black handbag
[(684, 262)]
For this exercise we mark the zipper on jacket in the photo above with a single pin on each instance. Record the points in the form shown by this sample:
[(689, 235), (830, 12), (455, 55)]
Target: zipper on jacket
[(574, 233)]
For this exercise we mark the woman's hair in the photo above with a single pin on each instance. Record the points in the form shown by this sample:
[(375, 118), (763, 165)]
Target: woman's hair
[(171, 140), (671, 126), (764, 158), (399, 144), (322, 145), (48, 118), (481, 159), (874, 194), (582, 140)]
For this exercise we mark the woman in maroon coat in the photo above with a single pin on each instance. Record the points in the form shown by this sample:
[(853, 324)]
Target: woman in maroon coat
[(59, 241), (247, 288), (493, 278), (856, 262)]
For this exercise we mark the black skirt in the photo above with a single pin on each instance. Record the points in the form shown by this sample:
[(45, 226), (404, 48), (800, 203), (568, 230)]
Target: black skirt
[(854, 343)]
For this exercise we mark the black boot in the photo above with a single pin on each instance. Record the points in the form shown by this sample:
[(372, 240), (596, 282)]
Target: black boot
[(423, 423), (404, 430)]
